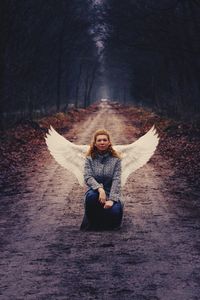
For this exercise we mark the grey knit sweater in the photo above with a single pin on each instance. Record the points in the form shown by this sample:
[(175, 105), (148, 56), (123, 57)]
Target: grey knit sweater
[(104, 171)]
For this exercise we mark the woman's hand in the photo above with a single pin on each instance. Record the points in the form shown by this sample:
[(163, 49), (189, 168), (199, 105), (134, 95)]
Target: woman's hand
[(102, 195), (108, 204)]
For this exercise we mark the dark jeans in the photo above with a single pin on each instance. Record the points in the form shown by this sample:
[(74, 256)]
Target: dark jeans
[(99, 218)]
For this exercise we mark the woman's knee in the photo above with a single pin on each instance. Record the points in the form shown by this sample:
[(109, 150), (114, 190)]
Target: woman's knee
[(92, 194), (91, 197), (116, 209)]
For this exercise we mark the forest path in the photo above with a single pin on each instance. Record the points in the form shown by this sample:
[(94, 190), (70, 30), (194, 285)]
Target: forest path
[(44, 255)]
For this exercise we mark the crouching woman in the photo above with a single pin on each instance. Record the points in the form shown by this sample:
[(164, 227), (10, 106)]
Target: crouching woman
[(102, 175)]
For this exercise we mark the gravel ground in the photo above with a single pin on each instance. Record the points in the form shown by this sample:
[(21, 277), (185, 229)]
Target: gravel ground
[(44, 255)]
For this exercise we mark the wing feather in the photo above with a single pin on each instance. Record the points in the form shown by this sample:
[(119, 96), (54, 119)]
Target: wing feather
[(67, 154), (138, 153), (72, 156)]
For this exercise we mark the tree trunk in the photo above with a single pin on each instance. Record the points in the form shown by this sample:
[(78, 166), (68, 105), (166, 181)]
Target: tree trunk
[(78, 84)]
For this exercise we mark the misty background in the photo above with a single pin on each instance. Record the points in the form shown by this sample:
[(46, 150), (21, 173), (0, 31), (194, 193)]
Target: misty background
[(59, 54)]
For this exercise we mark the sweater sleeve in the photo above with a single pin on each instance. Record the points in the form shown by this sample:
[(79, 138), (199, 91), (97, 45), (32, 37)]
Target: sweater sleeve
[(89, 179), (115, 192)]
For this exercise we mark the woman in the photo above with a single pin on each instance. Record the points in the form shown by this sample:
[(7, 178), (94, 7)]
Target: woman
[(102, 174)]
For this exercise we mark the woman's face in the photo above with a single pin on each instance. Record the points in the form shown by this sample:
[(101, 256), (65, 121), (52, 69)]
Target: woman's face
[(102, 142)]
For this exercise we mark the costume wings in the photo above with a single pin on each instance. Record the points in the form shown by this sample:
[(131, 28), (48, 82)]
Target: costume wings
[(72, 156)]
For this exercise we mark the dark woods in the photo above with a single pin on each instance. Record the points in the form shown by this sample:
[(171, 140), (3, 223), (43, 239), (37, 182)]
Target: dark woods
[(48, 56), (155, 47), (55, 54)]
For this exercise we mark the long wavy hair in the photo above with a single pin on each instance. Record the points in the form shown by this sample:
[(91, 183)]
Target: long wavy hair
[(93, 149)]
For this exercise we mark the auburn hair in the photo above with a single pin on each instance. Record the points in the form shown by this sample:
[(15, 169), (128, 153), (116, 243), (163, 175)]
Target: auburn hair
[(93, 150)]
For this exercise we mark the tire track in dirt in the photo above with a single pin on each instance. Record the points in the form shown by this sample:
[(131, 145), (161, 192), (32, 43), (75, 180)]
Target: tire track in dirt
[(45, 256)]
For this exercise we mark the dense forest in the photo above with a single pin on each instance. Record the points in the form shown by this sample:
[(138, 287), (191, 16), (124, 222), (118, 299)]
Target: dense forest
[(154, 48), (58, 54)]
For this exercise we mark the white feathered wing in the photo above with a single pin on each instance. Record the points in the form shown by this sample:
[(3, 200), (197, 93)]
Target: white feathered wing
[(72, 156), (137, 154), (67, 154)]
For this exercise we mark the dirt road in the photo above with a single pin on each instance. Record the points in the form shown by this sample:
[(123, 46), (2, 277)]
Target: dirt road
[(44, 255)]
